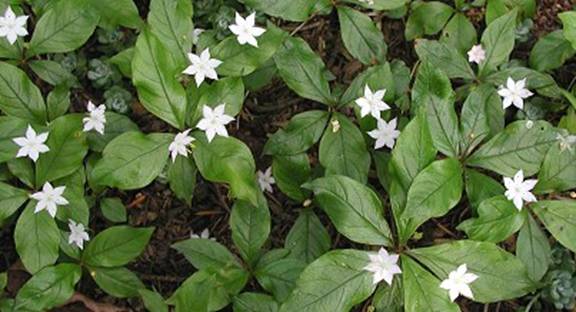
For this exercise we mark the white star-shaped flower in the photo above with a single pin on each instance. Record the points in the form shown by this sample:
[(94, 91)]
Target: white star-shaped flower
[(12, 26), (383, 265), (214, 121), (32, 145), (245, 30), (386, 134), (372, 103), (567, 142), (49, 199), (96, 119), (195, 36), (458, 281), (514, 93), (476, 54), (265, 180), (78, 234), (205, 234), (518, 190), (202, 66), (179, 145)]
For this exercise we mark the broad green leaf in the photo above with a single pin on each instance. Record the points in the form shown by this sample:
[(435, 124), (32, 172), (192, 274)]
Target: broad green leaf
[(482, 116), (443, 123), (11, 199), (23, 169), (67, 143), (434, 191), (123, 60), (480, 187), (279, 277), (118, 282), (171, 23), (533, 249), (430, 81), (116, 124), (49, 288), (497, 220), (3, 280), (182, 178), (207, 291), (498, 41), (427, 18), (551, 51), (132, 160), (228, 160), (303, 70), (544, 84), (355, 209), (153, 301), (206, 254), (380, 4), (10, 128), (559, 217), (445, 57), (558, 172), (303, 131), (422, 291), (521, 145), (37, 238), (459, 33), (361, 36), (229, 91), (569, 22), (295, 11), (116, 246), (53, 73), (308, 238), (389, 298), (155, 72), (19, 97), (77, 208), (377, 77), (254, 302), (290, 172), (250, 227), (113, 209), (115, 13), (241, 60), (495, 9), (501, 276), (335, 282), (344, 151), (64, 27), (58, 102)]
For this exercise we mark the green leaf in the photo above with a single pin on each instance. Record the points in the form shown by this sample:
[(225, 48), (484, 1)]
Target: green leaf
[(116, 246), (355, 209), (422, 291), (361, 36), (228, 160), (229, 91), (501, 276), (206, 254), (63, 28), (67, 143), (182, 178), (3, 281), (389, 298), (480, 187), (308, 238), (49, 288), (551, 51), (113, 209), (250, 227), (207, 290), (303, 131), (459, 33), (153, 301), (498, 41), (303, 70), (155, 72), (430, 81), (569, 22), (132, 160), (254, 302), (37, 238), (559, 217), (558, 172), (118, 282), (334, 282), (77, 208), (171, 23), (19, 97), (482, 117), (116, 124), (445, 57), (497, 220), (10, 128), (23, 169), (53, 73), (377, 77), (11, 199), (58, 102), (427, 18), (517, 147), (434, 191), (279, 277), (115, 13), (123, 60), (344, 152), (533, 249), (290, 172), (294, 11), (241, 60), (380, 4)]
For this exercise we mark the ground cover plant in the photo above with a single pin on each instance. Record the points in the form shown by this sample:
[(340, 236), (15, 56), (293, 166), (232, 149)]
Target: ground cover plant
[(304, 155)]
